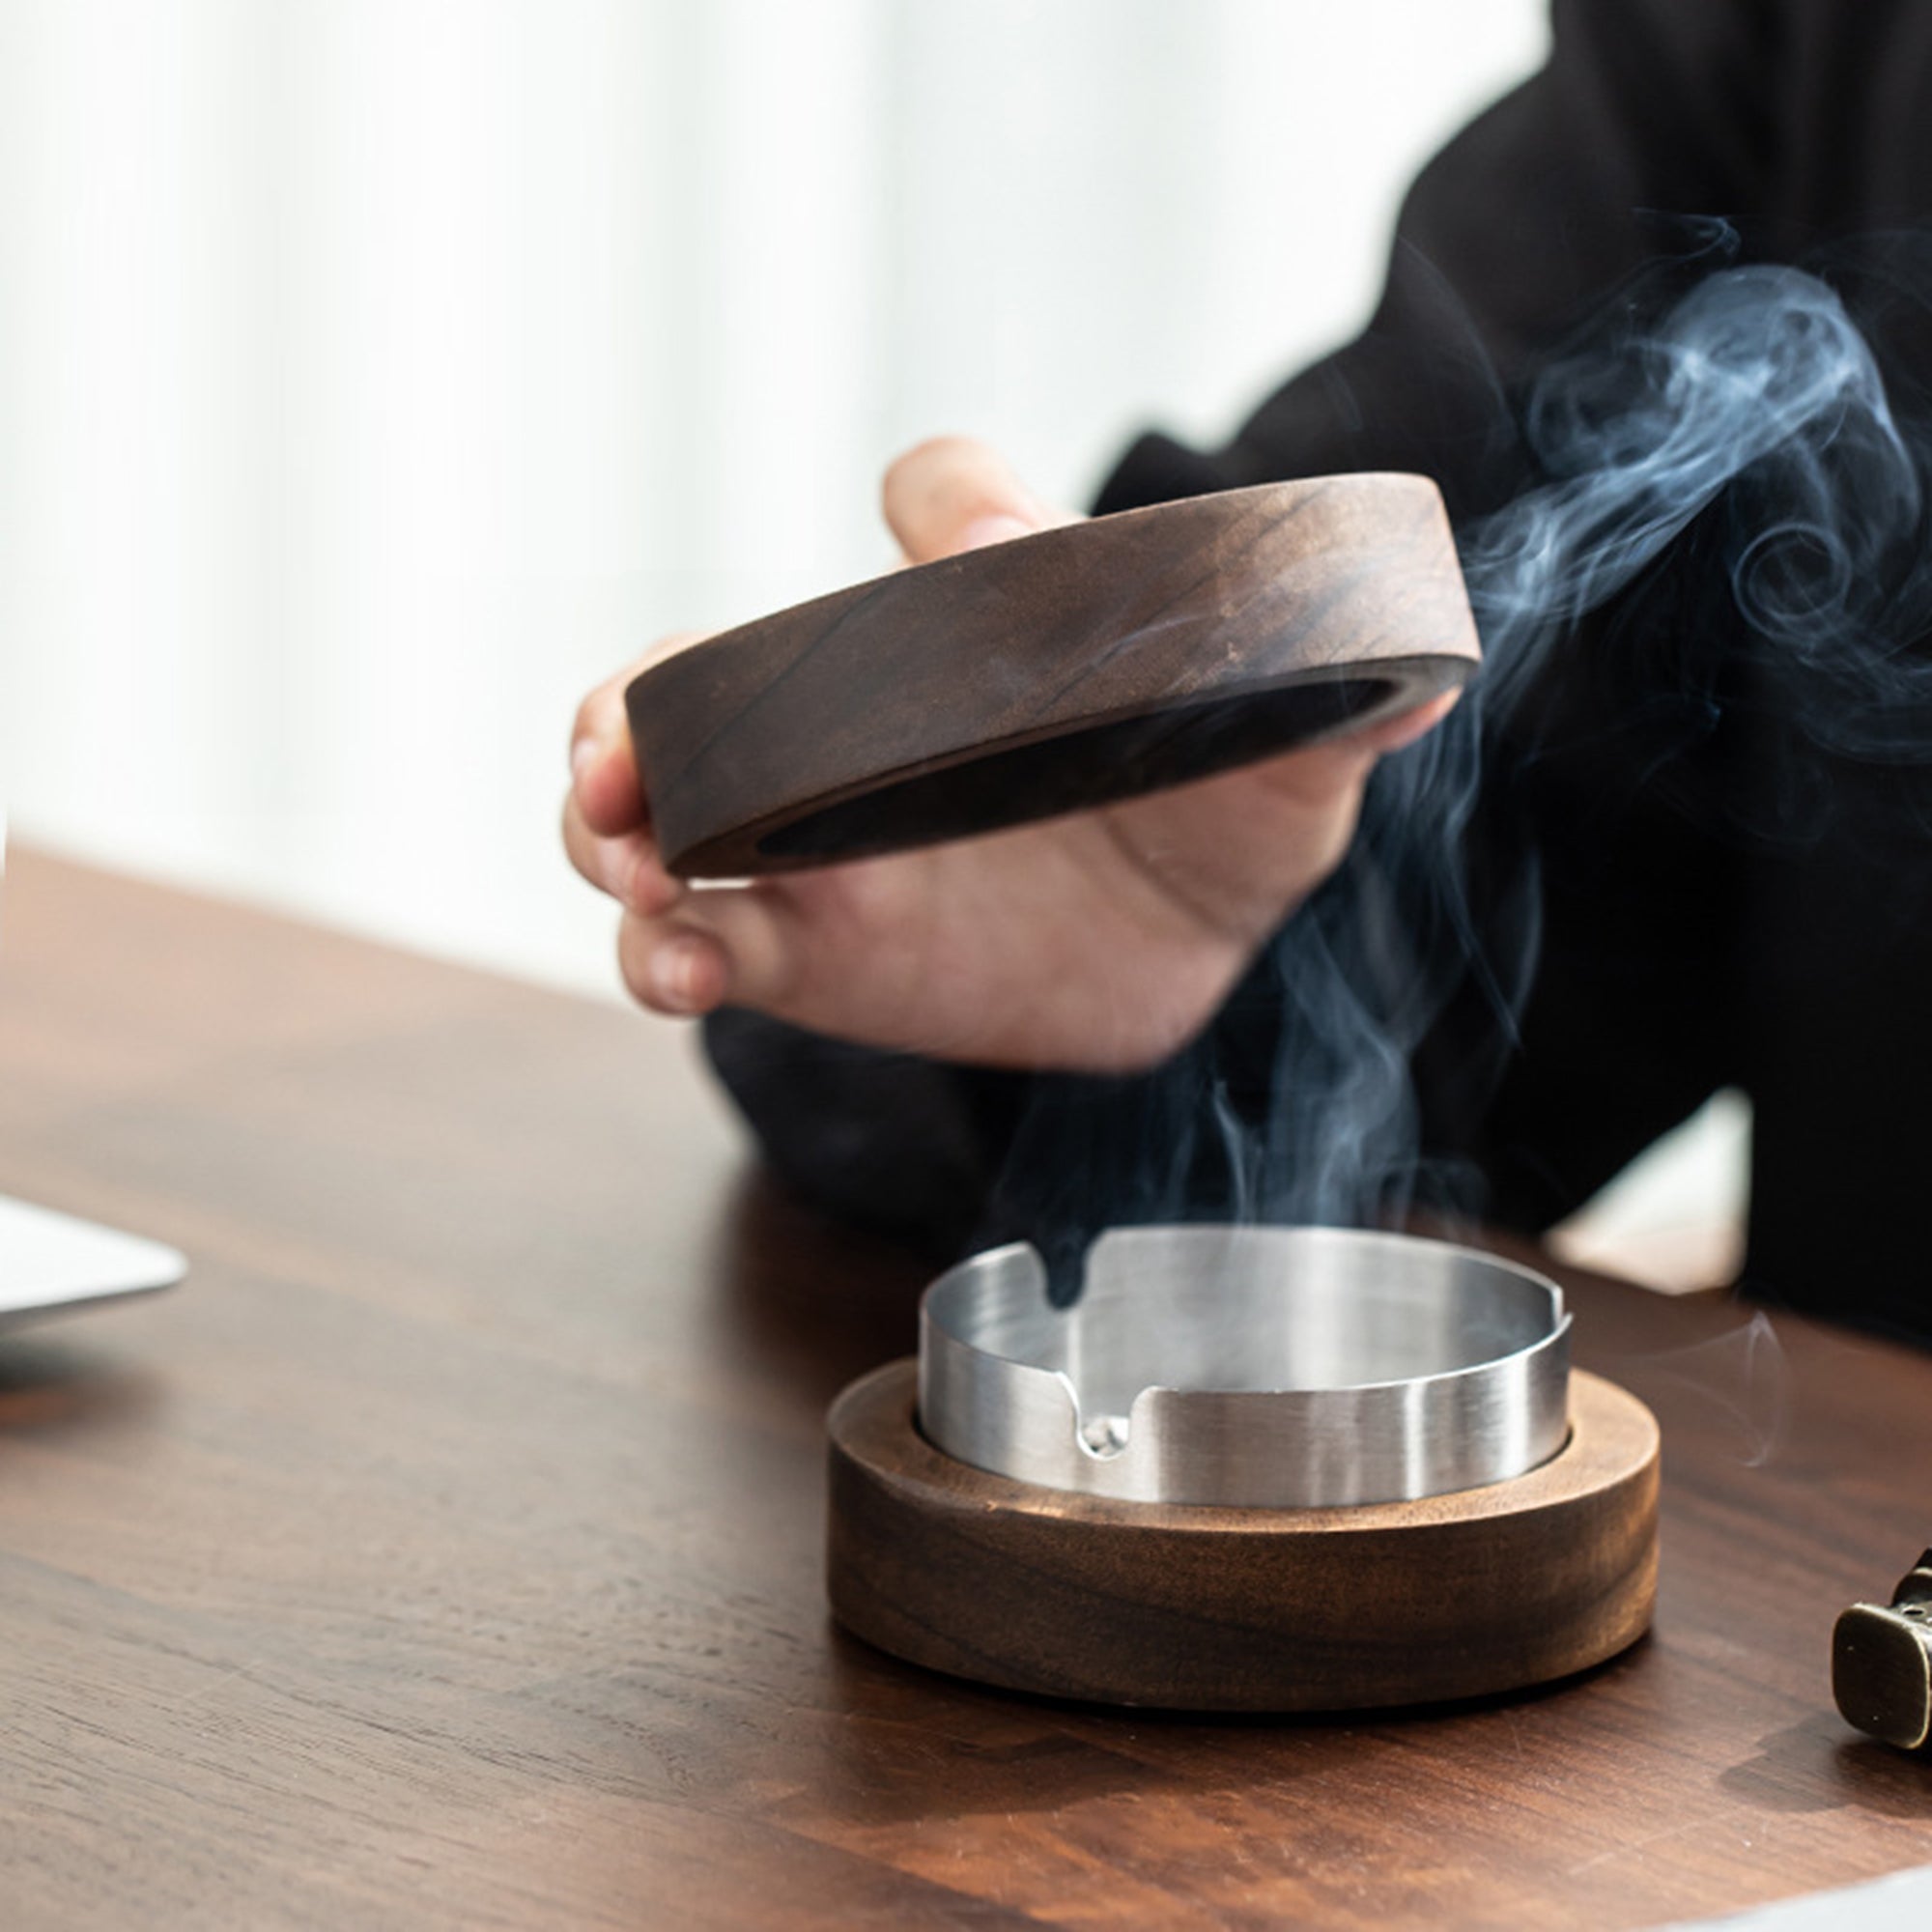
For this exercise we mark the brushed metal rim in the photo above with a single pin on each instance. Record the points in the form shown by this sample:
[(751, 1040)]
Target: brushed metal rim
[(1248, 1367)]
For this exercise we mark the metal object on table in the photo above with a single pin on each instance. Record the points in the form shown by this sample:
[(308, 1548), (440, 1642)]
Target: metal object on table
[(1248, 1367), (53, 1264), (1250, 1469), (1882, 1663)]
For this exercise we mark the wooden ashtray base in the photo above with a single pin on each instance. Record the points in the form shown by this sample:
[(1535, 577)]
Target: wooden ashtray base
[(1232, 1609)]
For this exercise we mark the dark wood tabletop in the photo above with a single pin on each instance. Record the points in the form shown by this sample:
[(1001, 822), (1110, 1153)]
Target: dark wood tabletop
[(447, 1550)]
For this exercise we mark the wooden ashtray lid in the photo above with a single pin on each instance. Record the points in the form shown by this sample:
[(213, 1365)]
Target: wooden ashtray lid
[(1052, 673), (1190, 1607)]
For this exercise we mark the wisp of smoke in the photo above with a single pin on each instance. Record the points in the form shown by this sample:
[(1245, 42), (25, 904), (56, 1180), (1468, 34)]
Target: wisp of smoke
[(1753, 409), (1758, 374), (1740, 1382), (1754, 399)]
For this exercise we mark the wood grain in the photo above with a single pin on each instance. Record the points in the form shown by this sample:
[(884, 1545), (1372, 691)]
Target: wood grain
[(447, 1552), (1060, 670), (1242, 1609)]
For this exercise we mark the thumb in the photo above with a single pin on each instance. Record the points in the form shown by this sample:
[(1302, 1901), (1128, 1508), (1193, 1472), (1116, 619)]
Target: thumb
[(953, 494)]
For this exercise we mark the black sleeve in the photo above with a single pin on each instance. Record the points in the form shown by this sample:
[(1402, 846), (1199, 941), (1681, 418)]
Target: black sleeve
[(1521, 226)]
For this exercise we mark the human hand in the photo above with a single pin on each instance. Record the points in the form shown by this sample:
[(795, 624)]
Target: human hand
[(1099, 942)]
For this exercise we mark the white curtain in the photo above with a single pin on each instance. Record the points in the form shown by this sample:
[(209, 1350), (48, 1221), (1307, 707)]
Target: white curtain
[(377, 374)]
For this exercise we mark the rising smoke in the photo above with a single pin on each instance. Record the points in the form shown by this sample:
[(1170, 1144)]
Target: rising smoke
[(1744, 430)]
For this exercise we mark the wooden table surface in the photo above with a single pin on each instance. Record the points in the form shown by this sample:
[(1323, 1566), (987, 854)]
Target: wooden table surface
[(445, 1552)]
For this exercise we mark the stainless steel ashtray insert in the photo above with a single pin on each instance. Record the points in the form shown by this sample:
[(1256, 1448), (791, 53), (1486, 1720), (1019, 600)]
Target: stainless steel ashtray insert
[(1253, 1367)]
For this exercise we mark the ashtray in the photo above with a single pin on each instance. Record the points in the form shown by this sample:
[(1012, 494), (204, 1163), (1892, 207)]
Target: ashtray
[(1248, 1468)]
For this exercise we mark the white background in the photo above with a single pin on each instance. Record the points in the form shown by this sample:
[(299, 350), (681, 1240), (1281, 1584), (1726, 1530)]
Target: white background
[(375, 374)]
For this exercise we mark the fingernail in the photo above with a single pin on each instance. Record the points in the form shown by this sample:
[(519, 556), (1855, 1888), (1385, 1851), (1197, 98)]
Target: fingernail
[(996, 528), (673, 974)]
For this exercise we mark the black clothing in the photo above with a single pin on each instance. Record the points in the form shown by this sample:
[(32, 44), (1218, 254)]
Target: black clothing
[(1718, 908)]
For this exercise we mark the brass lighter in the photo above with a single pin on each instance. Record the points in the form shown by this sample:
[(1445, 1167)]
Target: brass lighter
[(1882, 1663)]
